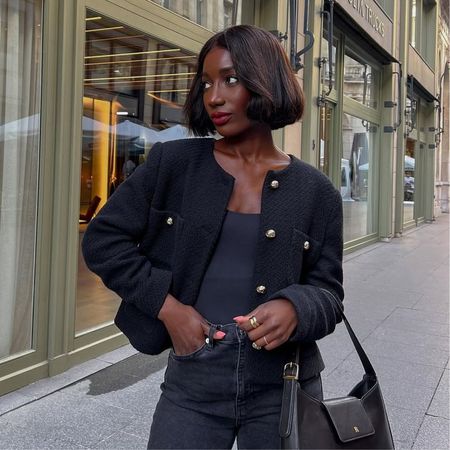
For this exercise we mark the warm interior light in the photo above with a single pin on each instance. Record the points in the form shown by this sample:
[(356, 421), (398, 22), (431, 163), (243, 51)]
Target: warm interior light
[(162, 75), (122, 38), (128, 61), (130, 82), (133, 53), (162, 100), (104, 29), (167, 90), (101, 112)]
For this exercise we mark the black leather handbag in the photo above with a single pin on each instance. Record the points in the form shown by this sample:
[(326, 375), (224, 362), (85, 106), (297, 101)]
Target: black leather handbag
[(358, 421)]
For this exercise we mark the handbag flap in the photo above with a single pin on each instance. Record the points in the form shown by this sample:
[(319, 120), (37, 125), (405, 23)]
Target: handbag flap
[(349, 418)]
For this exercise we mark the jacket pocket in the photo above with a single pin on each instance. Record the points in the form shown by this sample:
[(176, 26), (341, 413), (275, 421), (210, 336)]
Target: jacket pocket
[(160, 238), (305, 251)]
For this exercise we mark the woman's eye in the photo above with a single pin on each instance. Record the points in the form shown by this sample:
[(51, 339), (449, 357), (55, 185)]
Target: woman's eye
[(232, 79), (206, 85)]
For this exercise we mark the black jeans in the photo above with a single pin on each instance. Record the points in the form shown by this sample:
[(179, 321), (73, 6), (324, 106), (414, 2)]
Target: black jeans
[(206, 402)]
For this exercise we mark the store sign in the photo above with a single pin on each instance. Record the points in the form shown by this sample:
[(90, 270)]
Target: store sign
[(369, 14), (372, 19)]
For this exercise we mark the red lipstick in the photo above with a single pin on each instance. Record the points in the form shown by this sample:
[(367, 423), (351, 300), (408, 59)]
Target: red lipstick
[(220, 118)]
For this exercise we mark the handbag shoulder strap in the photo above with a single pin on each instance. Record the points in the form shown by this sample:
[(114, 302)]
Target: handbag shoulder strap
[(368, 368)]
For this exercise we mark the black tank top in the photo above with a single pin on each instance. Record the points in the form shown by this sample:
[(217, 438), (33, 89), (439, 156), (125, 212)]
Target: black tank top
[(227, 285)]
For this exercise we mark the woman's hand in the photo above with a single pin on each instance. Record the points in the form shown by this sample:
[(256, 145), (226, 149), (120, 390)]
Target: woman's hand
[(276, 321), (186, 327)]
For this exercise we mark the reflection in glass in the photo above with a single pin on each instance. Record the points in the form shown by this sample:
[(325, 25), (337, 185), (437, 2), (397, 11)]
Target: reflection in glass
[(215, 15), (413, 23), (358, 177), (134, 90), (325, 138), (360, 81), (409, 181), (410, 115), (325, 63), (20, 62)]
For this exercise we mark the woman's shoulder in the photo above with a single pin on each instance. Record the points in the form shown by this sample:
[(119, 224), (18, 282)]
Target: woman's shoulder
[(184, 148), (172, 157), (311, 174)]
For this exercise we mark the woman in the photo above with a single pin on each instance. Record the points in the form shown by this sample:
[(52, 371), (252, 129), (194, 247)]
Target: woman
[(231, 248)]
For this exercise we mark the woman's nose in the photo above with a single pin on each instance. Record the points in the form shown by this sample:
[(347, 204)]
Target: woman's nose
[(215, 96)]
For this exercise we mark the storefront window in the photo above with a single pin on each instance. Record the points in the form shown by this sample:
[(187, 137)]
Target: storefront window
[(215, 15), (20, 84), (134, 89), (358, 180), (360, 80), (409, 185)]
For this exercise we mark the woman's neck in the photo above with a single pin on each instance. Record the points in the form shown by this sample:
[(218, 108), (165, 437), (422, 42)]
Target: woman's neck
[(253, 146)]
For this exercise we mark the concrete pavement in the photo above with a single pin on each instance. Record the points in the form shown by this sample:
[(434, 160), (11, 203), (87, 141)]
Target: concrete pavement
[(397, 300)]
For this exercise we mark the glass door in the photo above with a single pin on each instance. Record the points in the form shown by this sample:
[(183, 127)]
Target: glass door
[(330, 161), (325, 138), (359, 183), (361, 81), (419, 181), (409, 188)]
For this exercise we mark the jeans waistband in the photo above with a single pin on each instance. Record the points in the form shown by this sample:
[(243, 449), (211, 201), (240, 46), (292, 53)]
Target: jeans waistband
[(232, 332)]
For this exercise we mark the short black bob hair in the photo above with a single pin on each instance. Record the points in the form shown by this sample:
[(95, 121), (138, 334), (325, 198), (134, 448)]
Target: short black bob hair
[(262, 67)]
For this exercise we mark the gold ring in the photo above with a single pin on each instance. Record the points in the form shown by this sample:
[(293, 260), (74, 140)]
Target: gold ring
[(253, 322), (265, 340), (256, 346)]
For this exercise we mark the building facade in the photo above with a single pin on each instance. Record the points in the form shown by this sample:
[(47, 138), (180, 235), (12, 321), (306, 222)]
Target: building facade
[(88, 86), (443, 123)]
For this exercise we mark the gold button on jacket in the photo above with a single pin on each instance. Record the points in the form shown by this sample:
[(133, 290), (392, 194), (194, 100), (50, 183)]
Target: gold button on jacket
[(169, 221), (306, 245), (270, 234), (261, 289)]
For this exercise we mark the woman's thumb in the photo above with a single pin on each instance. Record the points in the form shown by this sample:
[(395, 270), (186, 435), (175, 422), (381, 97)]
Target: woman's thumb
[(219, 335)]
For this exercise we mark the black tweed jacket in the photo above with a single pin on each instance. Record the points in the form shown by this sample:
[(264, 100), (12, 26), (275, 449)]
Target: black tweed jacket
[(157, 232)]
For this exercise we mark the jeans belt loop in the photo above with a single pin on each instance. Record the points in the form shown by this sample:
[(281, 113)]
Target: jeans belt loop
[(212, 331)]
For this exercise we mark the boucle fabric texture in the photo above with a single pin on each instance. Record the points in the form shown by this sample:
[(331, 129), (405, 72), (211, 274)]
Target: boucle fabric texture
[(157, 234)]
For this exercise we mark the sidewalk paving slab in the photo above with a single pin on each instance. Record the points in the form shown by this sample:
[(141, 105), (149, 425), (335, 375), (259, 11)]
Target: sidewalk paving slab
[(440, 405), (433, 434)]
